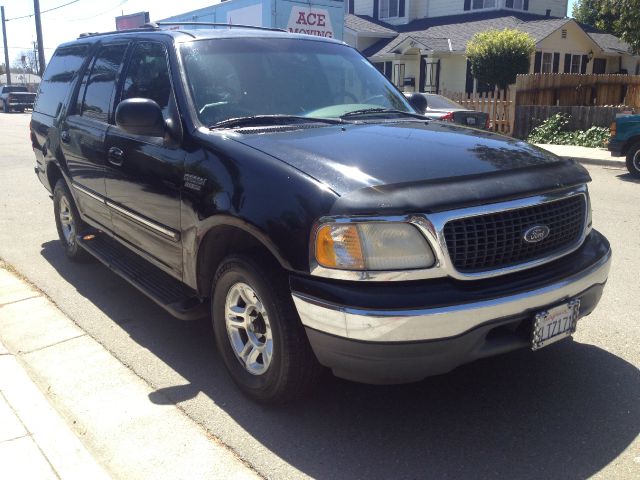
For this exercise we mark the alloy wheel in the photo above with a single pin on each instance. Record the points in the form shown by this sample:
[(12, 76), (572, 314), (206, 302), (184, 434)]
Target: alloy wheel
[(248, 328)]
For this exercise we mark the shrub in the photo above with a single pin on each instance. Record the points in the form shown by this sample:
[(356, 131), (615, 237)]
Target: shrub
[(554, 131), (497, 56)]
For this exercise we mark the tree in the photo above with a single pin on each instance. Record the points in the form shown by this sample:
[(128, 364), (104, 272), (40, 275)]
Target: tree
[(26, 61), (595, 13), (628, 24), (497, 56)]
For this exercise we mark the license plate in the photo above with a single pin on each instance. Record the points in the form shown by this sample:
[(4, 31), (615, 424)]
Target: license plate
[(555, 324), (471, 121)]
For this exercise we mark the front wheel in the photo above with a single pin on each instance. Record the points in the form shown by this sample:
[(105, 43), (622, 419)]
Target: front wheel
[(633, 160), (258, 333), (68, 221)]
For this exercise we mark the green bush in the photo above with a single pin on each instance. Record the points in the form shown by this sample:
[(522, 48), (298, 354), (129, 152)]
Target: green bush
[(554, 131)]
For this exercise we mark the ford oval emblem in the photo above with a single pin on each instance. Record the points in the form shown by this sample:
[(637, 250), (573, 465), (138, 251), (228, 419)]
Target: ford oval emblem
[(536, 234)]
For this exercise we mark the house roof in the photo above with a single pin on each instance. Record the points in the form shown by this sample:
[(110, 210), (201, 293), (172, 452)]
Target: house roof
[(457, 30), (606, 41), (366, 24)]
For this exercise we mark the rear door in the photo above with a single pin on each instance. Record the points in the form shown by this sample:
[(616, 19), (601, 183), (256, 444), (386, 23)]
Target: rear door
[(83, 132), (144, 174)]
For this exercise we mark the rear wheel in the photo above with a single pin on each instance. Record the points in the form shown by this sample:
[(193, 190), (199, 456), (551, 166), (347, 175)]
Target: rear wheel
[(258, 332), (633, 160), (68, 221)]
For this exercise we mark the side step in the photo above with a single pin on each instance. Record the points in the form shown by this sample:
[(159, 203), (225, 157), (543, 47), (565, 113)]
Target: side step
[(175, 297)]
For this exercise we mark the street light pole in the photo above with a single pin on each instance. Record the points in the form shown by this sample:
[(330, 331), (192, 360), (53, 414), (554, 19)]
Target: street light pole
[(6, 50), (36, 12)]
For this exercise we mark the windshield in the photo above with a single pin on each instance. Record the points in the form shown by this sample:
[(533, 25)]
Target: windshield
[(438, 102), (243, 77)]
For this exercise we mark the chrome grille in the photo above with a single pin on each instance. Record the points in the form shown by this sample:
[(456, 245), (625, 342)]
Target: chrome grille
[(496, 240)]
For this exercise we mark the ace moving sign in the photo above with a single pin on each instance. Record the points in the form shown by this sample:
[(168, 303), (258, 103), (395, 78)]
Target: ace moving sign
[(310, 21)]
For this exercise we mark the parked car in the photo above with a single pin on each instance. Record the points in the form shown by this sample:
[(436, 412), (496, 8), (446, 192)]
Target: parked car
[(282, 186), (443, 108), (15, 97), (625, 141)]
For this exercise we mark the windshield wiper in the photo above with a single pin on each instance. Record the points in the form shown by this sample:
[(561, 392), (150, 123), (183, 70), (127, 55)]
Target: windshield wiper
[(272, 120), (374, 111)]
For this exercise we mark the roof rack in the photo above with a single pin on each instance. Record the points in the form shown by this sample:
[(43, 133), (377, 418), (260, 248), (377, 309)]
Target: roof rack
[(144, 28), (228, 25)]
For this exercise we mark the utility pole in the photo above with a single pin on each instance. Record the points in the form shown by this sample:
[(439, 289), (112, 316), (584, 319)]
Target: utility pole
[(36, 12), (6, 50)]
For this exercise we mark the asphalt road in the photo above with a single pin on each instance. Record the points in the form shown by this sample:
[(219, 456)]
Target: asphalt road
[(571, 410)]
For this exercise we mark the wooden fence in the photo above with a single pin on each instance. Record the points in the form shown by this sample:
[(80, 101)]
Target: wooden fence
[(577, 90), (527, 117), (500, 110)]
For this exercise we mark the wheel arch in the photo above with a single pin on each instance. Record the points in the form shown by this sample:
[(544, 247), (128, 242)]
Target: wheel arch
[(231, 237), (54, 173), (629, 143)]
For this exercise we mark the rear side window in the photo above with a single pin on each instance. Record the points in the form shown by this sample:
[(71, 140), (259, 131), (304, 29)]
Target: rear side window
[(59, 76), (102, 82)]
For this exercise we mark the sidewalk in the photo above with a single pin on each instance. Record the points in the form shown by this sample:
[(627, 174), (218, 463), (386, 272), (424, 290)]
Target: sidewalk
[(590, 156), (70, 410)]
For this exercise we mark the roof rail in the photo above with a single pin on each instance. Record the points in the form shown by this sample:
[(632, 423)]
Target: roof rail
[(144, 28), (229, 25)]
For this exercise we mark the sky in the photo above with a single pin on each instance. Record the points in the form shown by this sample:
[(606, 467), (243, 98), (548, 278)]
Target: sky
[(66, 23)]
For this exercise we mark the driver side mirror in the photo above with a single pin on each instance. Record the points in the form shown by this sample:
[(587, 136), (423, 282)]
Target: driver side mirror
[(419, 102), (140, 116)]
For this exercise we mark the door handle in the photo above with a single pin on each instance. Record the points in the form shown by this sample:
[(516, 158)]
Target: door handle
[(64, 136), (116, 156)]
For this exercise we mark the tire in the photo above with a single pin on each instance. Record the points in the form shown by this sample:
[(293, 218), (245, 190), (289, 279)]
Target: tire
[(286, 371), (5, 107), (68, 222), (633, 160)]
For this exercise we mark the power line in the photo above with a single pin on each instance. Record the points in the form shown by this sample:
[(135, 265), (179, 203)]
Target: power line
[(43, 11)]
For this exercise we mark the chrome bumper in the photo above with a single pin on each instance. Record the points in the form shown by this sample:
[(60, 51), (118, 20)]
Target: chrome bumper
[(442, 322)]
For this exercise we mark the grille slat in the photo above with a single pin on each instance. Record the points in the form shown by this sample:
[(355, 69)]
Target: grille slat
[(496, 240)]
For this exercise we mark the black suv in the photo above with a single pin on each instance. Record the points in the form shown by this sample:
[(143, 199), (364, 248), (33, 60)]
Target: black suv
[(281, 185)]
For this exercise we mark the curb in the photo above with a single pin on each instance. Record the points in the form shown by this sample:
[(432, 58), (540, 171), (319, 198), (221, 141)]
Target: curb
[(105, 407)]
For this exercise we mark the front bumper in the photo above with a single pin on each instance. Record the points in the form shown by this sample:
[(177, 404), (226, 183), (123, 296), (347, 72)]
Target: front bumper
[(448, 323), (616, 147)]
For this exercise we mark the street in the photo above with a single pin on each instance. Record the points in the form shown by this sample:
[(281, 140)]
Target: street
[(571, 410)]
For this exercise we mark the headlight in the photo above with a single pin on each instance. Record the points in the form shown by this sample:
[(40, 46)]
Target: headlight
[(372, 246)]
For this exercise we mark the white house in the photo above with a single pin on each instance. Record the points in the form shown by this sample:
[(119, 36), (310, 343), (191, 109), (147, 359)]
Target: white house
[(420, 44)]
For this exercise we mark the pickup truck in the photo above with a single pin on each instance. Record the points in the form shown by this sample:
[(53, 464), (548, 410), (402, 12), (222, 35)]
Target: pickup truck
[(281, 186), (15, 97), (625, 141)]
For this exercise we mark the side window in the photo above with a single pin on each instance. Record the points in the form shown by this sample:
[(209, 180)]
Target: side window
[(59, 76), (102, 81), (148, 75)]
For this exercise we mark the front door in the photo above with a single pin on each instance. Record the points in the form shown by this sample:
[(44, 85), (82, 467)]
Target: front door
[(430, 75), (144, 174)]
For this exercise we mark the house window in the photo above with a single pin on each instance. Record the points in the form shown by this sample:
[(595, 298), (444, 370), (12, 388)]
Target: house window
[(480, 4), (515, 4), (391, 8), (384, 68), (576, 63), (547, 62), (599, 65)]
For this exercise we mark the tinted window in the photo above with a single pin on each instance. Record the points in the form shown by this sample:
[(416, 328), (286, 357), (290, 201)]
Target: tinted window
[(102, 81), (58, 77), (24, 89), (148, 74)]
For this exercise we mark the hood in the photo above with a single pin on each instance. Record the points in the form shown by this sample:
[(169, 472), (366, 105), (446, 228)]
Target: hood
[(440, 160)]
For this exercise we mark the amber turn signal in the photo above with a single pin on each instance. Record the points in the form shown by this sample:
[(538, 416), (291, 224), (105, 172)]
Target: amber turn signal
[(338, 246)]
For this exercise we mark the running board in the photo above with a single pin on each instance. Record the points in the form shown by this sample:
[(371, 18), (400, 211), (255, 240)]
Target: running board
[(175, 297)]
